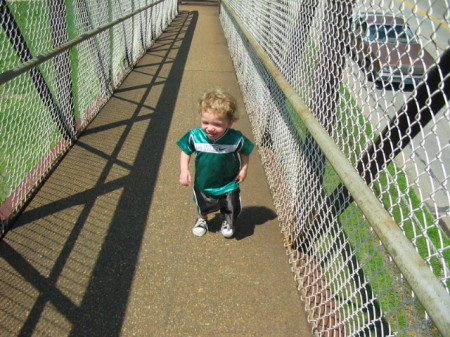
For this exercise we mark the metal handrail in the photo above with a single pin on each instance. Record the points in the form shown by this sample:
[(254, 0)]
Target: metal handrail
[(418, 274), (35, 61)]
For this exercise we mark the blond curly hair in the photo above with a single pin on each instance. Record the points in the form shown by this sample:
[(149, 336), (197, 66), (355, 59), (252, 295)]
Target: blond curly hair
[(221, 103)]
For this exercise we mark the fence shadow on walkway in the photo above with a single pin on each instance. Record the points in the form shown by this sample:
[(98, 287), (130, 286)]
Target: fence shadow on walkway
[(102, 307)]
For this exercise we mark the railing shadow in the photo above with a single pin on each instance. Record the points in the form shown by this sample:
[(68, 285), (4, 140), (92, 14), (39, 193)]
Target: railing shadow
[(102, 305)]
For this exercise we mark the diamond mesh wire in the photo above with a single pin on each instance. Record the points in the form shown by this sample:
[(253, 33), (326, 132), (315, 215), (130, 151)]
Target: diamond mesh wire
[(350, 285), (43, 110), (383, 96)]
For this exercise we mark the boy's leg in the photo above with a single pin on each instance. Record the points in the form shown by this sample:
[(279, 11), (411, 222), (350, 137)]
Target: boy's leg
[(205, 205), (231, 205), (230, 208)]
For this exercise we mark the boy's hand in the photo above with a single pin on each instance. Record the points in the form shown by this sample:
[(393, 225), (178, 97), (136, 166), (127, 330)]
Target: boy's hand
[(185, 174), (241, 175), (243, 171), (185, 178)]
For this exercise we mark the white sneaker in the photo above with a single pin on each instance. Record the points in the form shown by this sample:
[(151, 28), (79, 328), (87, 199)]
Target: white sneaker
[(227, 230), (200, 228)]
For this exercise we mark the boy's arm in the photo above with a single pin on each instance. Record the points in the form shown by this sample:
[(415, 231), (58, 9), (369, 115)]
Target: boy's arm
[(244, 167), (185, 174)]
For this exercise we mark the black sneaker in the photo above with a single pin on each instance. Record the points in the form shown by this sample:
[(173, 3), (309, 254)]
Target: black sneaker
[(227, 230), (200, 228)]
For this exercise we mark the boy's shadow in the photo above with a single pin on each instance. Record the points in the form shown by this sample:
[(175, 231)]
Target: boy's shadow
[(245, 224)]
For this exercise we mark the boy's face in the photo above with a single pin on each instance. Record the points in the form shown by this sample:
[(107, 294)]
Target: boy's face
[(214, 126)]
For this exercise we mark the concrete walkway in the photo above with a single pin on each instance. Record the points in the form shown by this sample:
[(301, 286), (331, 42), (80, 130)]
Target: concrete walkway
[(105, 247)]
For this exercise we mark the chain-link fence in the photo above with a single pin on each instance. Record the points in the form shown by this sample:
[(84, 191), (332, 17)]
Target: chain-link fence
[(365, 222), (375, 75), (59, 63)]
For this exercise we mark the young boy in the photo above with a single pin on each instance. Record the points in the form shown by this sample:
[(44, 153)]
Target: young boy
[(221, 162)]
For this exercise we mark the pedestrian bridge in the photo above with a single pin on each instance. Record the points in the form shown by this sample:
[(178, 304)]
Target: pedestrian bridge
[(341, 233)]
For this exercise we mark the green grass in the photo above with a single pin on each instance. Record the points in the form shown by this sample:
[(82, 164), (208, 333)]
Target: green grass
[(22, 118), (420, 218), (400, 200), (393, 188), (354, 133), (28, 16), (85, 92), (27, 131)]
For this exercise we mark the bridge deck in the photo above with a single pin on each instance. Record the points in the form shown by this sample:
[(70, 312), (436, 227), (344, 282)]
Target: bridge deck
[(105, 247)]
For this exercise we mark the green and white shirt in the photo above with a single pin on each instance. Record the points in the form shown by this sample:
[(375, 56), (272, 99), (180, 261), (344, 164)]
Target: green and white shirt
[(217, 161)]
